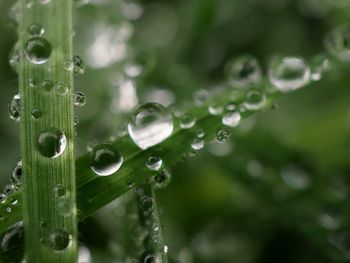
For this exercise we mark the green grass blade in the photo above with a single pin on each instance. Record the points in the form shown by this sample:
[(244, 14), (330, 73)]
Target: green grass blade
[(42, 216)]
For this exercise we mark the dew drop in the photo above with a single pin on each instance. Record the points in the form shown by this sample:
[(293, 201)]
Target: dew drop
[(255, 100), (231, 119), (146, 203), (187, 121), (243, 71), (14, 57), (154, 163), (78, 65), (289, 73), (59, 240), (8, 189), (13, 237), (215, 109), (59, 190), (2, 197), (150, 124), (37, 50), (61, 89), (65, 207), (79, 99), (295, 177), (15, 108), (337, 42), (197, 144), (151, 257), (105, 159), (36, 113), (162, 179), (47, 85), (223, 135), (17, 174), (35, 29), (51, 143)]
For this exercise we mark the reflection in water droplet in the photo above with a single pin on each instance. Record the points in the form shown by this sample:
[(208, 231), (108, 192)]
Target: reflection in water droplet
[(51, 143), (105, 159), (37, 50)]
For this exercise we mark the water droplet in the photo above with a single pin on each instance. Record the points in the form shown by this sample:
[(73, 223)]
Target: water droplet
[(14, 57), (59, 240), (51, 143), (223, 135), (36, 113), (289, 73), (2, 197), (231, 119), (295, 177), (200, 133), (78, 65), (65, 207), (154, 163), (200, 97), (187, 121), (17, 174), (15, 108), (37, 50), (197, 144), (9, 188), (146, 203), (215, 109), (68, 65), (162, 179), (47, 85), (59, 190), (61, 89), (36, 29), (243, 71), (150, 124), (79, 99), (254, 100), (337, 42), (76, 120), (151, 257), (105, 159), (319, 65), (8, 209), (230, 106), (13, 237)]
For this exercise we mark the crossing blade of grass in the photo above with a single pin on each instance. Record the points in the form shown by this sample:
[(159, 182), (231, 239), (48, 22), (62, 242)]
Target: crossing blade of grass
[(94, 192), (47, 132)]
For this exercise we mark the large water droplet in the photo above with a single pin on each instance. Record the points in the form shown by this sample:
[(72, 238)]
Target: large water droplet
[(231, 119), (51, 143), (105, 159), (37, 50), (150, 124), (243, 71), (289, 73), (15, 108), (59, 240), (17, 174)]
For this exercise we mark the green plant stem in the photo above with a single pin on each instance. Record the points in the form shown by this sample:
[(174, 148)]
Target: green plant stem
[(41, 213), (149, 216)]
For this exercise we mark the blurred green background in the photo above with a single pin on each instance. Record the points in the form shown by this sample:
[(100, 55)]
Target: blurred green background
[(278, 192)]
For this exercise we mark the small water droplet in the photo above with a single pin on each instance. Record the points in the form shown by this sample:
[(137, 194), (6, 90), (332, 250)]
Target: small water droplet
[(17, 174), (59, 190), (154, 163), (59, 240), (51, 143), (8, 189), (146, 203), (150, 124), (200, 97), (223, 135), (295, 177), (47, 85), (162, 179), (36, 29), (61, 89), (255, 100), (2, 197), (231, 119), (79, 99), (200, 133), (187, 121), (37, 50), (105, 159), (78, 65), (36, 113), (14, 57), (215, 109), (197, 144), (243, 71), (15, 108), (289, 73), (151, 257), (65, 207), (337, 42)]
